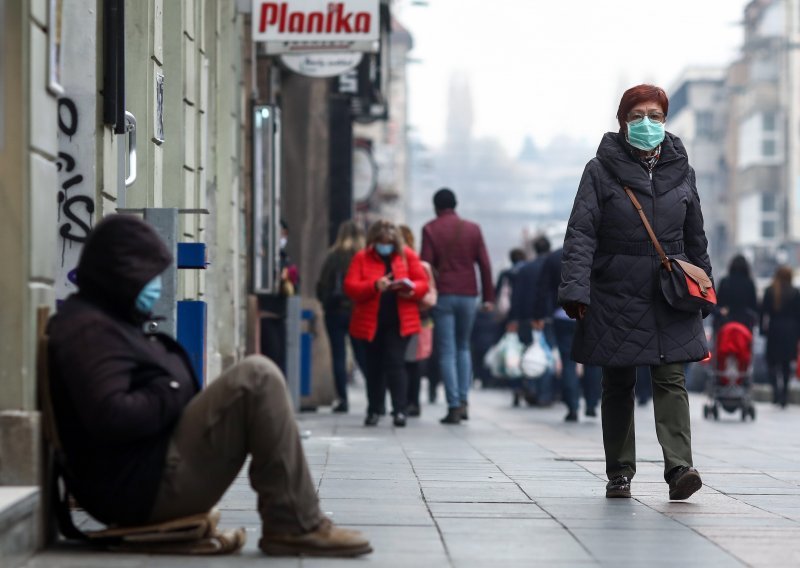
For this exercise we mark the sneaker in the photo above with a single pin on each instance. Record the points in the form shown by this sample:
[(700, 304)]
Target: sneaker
[(571, 417), (591, 412), (326, 540), (400, 420), (371, 420), (683, 483), (619, 487), (464, 413), (414, 410), (341, 408), (453, 416)]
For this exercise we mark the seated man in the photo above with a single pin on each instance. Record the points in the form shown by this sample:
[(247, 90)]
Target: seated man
[(142, 445)]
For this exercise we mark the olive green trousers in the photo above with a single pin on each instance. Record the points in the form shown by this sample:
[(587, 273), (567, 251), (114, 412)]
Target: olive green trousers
[(671, 405)]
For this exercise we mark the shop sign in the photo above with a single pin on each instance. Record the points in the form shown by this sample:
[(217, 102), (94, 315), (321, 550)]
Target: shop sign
[(317, 25), (321, 64)]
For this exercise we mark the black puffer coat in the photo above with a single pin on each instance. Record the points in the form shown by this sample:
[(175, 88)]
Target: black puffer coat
[(610, 265)]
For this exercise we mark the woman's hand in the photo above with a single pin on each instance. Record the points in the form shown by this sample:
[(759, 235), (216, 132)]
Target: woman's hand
[(575, 310), (381, 284)]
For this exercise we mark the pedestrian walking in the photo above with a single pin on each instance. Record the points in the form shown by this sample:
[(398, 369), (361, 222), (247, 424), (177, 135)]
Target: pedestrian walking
[(780, 312), (337, 306), (141, 443), (546, 308), (453, 247), (611, 284), (420, 346), (521, 317), (736, 295), (385, 281)]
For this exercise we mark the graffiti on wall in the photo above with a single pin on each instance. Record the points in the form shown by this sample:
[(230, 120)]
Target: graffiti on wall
[(75, 202)]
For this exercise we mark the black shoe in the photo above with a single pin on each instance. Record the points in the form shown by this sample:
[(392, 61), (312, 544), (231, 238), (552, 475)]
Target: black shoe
[(341, 408), (371, 420), (464, 413), (453, 416), (619, 487), (571, 417), (432, 393), (413, 410), (591, 412), (400, 420), (683, 483)]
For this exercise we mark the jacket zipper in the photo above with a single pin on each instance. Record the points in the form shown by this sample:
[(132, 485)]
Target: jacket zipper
[(656, 286)]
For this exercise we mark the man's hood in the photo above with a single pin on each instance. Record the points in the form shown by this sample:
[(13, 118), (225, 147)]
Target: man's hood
[(121, 255)]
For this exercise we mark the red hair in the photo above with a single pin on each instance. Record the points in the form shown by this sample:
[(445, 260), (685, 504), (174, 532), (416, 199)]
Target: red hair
[(637, 95)]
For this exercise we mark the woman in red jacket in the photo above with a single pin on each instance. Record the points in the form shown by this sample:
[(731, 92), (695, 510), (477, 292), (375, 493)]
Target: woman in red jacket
[(385, 282)]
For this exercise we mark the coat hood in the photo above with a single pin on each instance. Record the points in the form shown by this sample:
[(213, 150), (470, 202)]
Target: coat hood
[(121, 255), (618, 157)]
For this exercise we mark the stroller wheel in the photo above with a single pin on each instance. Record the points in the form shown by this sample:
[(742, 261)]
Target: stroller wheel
[(706, 411), (715, 412), (752, 411), (515, 402), (744, 414)]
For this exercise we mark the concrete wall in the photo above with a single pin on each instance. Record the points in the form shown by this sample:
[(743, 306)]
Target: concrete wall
[(28, 184)]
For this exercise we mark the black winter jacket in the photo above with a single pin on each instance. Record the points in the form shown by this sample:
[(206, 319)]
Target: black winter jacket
[(610, 265), (117, 393)]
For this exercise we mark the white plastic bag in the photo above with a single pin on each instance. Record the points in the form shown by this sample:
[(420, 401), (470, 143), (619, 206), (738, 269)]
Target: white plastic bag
[(538, 359), (503, 360)]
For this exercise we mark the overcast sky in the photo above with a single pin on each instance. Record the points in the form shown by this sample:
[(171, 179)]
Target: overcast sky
[(557, 67)]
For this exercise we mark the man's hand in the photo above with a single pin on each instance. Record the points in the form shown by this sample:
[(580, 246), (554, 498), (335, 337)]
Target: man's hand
[(575, 310), (512, 327), (538, 325), (487, 307)]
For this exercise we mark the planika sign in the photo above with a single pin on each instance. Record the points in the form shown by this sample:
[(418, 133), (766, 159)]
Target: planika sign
[(317, 25)]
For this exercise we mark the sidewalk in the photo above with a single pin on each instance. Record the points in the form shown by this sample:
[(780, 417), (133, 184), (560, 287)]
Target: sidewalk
[(519, 487)]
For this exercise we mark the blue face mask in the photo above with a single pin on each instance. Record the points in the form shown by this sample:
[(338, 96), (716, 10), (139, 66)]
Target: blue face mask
[(646, 134), (149, 295), (384, 249)]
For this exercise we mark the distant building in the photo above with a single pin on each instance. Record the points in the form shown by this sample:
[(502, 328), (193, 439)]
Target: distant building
[(697, 114)]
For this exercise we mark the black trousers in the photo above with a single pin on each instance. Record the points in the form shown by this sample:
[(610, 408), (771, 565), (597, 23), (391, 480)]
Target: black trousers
[(414, 373), (273, 341), (780, 382), (386, 366)]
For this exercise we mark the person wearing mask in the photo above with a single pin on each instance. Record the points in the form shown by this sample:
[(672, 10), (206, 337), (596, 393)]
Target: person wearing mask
[(780, 312), (736, 295), (272, 306), (546, 308), (385, 282), (418, 352), (141, 443), (337, 306), (453, 247), (610, 284), (522, 314)]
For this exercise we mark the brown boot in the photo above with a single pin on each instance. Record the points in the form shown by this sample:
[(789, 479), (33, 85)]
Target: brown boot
[(326, 540)]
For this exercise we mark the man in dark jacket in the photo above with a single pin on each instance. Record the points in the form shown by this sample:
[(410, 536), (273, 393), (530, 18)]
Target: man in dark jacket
[(546, 309), (140, 443), (453, 246), (521, 316)]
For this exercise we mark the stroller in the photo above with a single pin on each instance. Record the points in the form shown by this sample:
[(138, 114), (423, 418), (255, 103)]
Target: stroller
[(731, 372)]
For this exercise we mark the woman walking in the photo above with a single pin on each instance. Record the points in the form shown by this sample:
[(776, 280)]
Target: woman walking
[(780, 311), (421, 345), (610, 284), (337, 306), (385, 282), (736, 295)]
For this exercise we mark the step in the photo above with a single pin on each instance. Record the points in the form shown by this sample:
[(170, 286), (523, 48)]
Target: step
[(19, 524)]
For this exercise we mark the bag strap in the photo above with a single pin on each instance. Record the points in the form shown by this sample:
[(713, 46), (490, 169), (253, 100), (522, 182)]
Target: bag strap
[(661, 254)]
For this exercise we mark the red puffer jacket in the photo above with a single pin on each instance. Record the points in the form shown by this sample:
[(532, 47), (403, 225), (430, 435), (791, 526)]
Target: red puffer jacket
[(367, 268)]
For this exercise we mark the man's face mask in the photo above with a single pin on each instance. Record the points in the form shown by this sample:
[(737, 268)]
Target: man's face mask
[(149, 295)]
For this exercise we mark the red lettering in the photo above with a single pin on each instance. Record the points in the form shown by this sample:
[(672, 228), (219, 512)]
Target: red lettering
[(329, 19), (343, 24), (363, 22), (297, 22), (315, 22), (269, 16), (282, 25)]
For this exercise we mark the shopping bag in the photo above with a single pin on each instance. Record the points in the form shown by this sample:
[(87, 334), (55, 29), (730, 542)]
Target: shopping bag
[(538, 359)]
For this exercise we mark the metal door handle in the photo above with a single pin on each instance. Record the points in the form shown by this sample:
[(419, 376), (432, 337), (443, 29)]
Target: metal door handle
[(130, 128)]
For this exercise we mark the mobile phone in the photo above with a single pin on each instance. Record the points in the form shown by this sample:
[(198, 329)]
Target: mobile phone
[(403, 283)]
